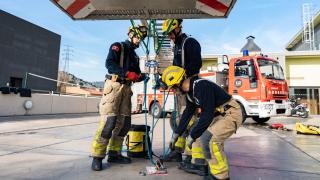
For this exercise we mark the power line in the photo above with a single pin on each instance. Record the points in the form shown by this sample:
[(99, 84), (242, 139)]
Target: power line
[(67, 53)]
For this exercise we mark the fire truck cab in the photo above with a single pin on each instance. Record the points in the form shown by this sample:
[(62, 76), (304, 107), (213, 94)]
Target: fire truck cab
[(258, 84)]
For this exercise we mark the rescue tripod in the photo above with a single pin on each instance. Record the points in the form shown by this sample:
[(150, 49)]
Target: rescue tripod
[(151, 9), (152, 67)]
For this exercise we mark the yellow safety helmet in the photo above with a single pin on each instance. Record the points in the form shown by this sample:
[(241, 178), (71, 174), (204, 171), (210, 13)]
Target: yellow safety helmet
[(173, 75), (140, 30), (175, 23)]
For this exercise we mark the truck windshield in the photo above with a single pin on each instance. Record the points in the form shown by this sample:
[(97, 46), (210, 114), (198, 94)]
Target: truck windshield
[(270, 69)]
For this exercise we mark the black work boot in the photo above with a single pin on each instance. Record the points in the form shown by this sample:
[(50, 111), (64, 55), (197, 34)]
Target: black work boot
[(96, 164), (119, 159), (187, 160), (201, 170), (173, 156)]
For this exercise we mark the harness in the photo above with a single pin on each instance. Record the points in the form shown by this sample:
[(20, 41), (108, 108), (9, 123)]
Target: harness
[(193, 99), (220, 110), (182, 51), (121, 55), (116, 78)]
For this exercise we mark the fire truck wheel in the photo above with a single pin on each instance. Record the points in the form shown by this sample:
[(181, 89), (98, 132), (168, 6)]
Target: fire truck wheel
[(260, 120), (156, 110), (305, 115)]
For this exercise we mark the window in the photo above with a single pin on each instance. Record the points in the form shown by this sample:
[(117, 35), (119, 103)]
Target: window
[(241, 68), (270, 69), (15, 82)]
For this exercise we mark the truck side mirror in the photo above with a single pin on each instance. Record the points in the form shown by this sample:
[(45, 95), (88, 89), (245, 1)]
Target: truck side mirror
[(252, 74), (225, 59)]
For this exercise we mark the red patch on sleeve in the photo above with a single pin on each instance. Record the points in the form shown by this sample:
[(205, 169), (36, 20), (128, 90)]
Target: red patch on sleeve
[(115, 48)]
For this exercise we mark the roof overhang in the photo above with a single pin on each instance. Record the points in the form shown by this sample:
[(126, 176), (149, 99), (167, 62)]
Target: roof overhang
[(144, 9), (301, 54)]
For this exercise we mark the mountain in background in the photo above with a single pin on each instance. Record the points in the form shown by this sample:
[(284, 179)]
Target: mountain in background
[(70, 78), (98, 84)]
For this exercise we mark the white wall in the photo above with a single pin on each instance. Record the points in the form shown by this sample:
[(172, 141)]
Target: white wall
[(304, 75), (12, 104)]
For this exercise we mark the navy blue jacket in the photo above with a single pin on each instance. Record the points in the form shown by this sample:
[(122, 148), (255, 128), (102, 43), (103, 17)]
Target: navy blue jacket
[(192, 54), (130, 60), (208, 96)]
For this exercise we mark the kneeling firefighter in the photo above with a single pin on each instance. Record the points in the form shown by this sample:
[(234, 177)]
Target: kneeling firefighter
[(115, 106), (220, 117)]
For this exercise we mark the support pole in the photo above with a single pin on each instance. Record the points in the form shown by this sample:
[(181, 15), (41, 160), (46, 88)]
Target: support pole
[(25, 80)]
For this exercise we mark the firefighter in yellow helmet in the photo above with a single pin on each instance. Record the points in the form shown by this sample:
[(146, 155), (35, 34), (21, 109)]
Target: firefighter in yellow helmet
[(187, 50), (187, 55), (221, 116), (139, 32), (115, 106)]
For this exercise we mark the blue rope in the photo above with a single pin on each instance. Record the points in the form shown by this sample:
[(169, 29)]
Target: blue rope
[(174, 120), (166, 151), (149, 144), (154, 123), (164, 125)]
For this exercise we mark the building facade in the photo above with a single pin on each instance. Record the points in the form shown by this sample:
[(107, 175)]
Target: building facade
[(303, 67), (27, 48)]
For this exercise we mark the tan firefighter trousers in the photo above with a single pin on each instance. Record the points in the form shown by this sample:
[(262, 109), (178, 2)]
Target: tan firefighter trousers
[(222, 127), (115, 119), (180, 146)]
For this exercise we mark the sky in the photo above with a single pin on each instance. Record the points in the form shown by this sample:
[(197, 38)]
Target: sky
[(272, 22)]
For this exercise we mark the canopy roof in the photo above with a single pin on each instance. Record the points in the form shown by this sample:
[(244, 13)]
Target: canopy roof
[(145, 9)]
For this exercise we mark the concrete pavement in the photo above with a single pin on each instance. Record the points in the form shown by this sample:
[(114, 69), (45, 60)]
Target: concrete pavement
[(58, 147)]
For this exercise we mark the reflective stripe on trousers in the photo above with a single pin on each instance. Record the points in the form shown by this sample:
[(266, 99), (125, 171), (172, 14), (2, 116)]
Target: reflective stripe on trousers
[(115, 119), (221, 128), (180, 145), (197, 153), (99, 143), (218, 163)]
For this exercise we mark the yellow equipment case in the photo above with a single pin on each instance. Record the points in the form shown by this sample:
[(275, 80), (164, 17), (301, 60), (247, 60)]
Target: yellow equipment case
[(136, 141)]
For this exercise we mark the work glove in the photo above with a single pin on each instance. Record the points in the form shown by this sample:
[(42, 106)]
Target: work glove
[(190, 141), (173, 141), (132, 76)]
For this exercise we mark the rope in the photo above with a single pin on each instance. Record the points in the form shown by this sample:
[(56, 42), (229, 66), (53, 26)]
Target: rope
[(154, 123), (149, 145), (156, 76), (43, 77), (133, 25)]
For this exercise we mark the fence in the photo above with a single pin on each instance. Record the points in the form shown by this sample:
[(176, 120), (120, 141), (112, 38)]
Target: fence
[(14, 104)]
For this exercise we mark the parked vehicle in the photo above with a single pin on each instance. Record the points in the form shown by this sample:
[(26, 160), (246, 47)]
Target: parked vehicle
[(256, 82), (299, 109)]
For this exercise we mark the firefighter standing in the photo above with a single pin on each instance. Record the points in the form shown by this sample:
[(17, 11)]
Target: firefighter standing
[(187, 50), (187, 55), (221, 116), (115, 106)]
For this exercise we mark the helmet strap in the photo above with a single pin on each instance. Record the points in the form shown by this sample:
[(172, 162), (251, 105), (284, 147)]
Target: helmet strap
[(176, 34), (131, 41)]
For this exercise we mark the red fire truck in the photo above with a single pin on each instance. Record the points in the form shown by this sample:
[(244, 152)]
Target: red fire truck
[(256, 82)]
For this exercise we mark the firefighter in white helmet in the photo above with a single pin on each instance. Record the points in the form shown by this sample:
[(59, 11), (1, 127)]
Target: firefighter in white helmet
[(115, 106), (220, 117)]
